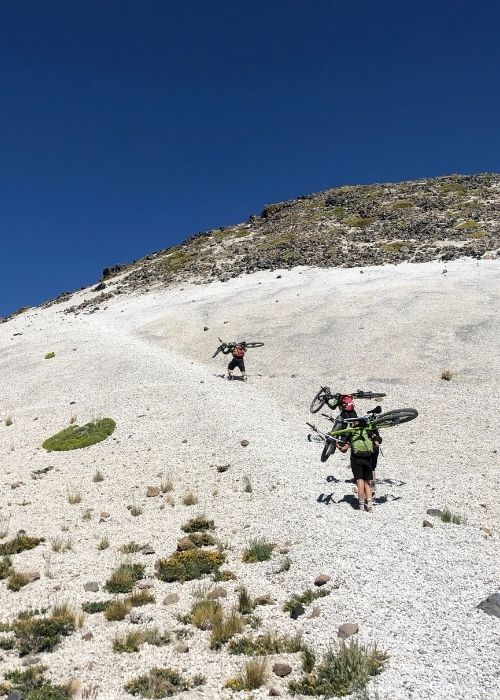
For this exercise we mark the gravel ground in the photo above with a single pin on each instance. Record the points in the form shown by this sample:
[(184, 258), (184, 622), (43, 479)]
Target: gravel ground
[(146, 362)]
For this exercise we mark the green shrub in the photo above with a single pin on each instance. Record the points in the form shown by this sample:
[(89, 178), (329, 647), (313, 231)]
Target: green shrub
[(34, 686), (305, 598), (35, 634), (19, 544), (189, 565), (224, 575), (342, 671), (130, 548), (17, 580), (245, 603), (5, 567), (401, 204), (393, 246), (449, 517), (7, 643), (50, 355), (358, 221), (140, 598), (96, 607), (308, 658), (269, 643), (253, 677), (205, 613), (467, 225), (223, 628), (258, 550), (158, 683), (198, 524), (117, 610), (124, 578), (202, 539), (74, 437)]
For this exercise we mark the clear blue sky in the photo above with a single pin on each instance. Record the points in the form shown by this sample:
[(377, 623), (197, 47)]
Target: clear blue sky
[(127, 125)]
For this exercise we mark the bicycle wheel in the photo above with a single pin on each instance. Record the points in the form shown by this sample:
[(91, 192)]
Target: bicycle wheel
[(396, 417), (254, 345), (219, 349), (328, 450), (368, 394), (320, 399)]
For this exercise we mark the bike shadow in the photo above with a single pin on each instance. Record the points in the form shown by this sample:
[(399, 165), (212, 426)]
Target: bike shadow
[(378, 500)]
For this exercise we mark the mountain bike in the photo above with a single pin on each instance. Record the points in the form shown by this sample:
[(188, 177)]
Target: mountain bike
[(232, 345), (372, 421), (333, 401)]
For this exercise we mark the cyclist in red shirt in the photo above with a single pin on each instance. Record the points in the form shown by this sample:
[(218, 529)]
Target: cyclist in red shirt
[(238, 351)]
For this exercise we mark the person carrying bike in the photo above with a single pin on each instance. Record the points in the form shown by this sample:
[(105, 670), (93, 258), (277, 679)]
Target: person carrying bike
[(362, 443), (238, 351), (348, 411)]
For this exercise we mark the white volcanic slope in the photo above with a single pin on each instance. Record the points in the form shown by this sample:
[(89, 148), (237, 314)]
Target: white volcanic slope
[(145, 361)]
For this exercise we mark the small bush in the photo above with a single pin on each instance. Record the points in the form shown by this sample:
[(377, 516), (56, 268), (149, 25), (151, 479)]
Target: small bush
[(135, 510), (308, 658), (98, 477), (117, 610), (74, 497), (35, 634), (449, 517), (124, 578), (19, 544), (17, 580), (140, 598), (245, 603), (5, 567), (75, 437), (269, 643), (198, 524), (224, 628), (50, 355), (247, 485), (394, 246), (342, 671), (258, 550), (205, 613), (190, 499), (284, 565), (4, 525), (87, 514), (59, 544), (446, 375), (202, 539), (254, 676), (401, 204), (130, 548), (189, 565), (224, 575), (358, 221), (97, 606), (6, 643), (159, 683), (305, 598), (166, 484), (103, 543), (132, 640), (32, 685)]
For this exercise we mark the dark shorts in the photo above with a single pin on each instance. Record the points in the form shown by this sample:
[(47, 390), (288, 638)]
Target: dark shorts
[(362, 467), (237, 362)]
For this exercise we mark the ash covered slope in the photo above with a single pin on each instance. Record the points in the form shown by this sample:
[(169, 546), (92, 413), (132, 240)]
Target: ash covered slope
[(416, 221), (145, 361)]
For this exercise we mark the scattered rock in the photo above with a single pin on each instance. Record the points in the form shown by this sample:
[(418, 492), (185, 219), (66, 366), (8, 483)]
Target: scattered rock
[(244, 443), (427, 523), (31, 661), (152, 491), (205, 328), (87, 636), (91, 587), (170, 599), (31, 576), (281, 669), (435, 512), (297, 611), (16, 695), (284, 550), (181, 648), (104, 515), (321, 579), (38, 473), (183, 442), (315, 612), (265, 600), (347, 630), (487, 530), (184, 544), (140, 617), (217, 592), (147, 583), (16, 485), (148, 549), (491, 606), (274, 692)]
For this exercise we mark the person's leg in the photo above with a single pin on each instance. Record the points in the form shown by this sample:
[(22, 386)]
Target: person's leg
[(361, 493), (368, 493), (231, 367)]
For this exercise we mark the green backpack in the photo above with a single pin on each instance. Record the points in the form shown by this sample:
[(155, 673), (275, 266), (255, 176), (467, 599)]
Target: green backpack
[(361, 443)]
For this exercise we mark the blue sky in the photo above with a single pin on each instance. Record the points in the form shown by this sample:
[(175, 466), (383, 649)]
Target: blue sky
[(126, 126)]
